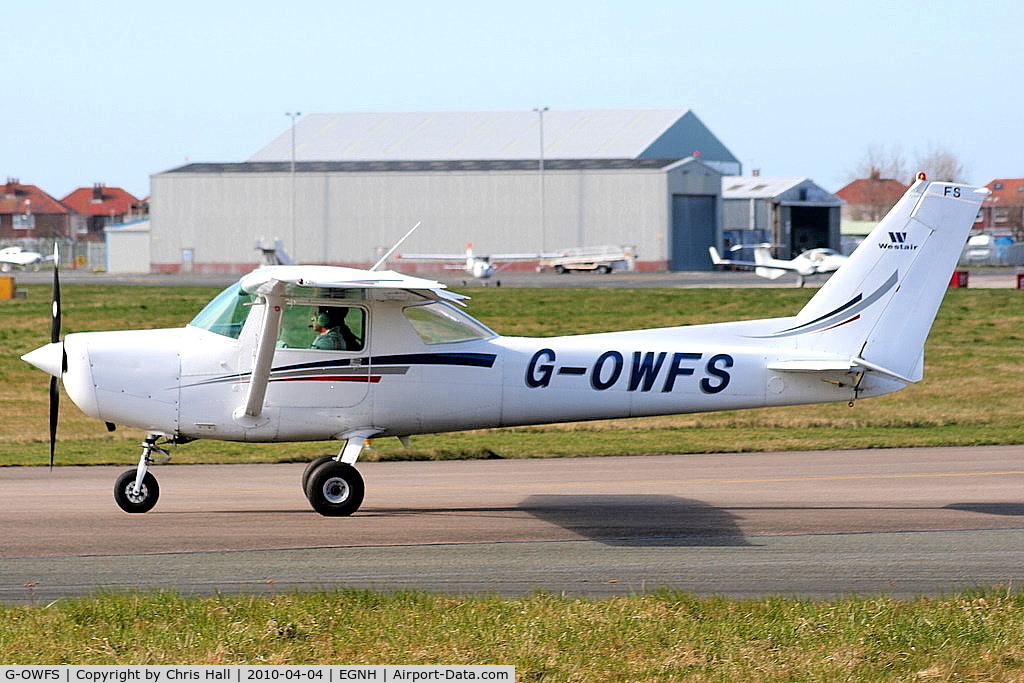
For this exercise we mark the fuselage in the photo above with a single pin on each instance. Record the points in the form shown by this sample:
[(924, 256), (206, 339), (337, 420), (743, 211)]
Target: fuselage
[(426, 367)]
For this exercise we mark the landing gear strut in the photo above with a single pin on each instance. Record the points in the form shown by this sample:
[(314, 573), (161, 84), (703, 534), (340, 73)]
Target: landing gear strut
[(136, 490)]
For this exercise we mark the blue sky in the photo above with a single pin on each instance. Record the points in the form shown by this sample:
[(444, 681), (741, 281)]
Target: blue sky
[(113, 92)]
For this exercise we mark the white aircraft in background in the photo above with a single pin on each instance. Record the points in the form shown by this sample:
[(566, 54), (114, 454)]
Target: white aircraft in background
[(246, 367), (18, 257), (810, 262), (478, 266)]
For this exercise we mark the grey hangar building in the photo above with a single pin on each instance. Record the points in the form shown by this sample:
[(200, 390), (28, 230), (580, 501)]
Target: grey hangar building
[(342, 188)]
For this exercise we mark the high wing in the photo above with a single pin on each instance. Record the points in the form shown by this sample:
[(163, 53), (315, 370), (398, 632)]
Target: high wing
[(468, 254), (478, 265), (344, 278), (432, 257)]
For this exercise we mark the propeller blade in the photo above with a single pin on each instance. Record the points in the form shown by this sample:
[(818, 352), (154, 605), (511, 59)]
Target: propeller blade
[(55, 315), (54, 407), (55, 324)]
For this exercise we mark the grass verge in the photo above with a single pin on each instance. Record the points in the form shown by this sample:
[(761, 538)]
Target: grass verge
[(665, 636)]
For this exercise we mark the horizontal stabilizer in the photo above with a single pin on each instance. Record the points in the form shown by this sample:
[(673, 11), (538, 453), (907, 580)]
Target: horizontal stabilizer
[(812, 366), (832, 366)]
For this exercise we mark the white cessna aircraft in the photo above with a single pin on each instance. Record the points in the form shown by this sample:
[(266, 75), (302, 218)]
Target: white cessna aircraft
[(476, 265), (414, 363), (16, 256), (810, 262)]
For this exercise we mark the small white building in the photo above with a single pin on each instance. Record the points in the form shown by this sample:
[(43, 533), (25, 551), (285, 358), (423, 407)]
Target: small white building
[(128, 247)]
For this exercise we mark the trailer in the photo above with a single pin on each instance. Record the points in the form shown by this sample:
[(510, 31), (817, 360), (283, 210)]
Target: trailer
[(605, 259)]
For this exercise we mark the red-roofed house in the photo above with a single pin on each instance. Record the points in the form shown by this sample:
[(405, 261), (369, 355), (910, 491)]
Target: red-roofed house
[(1003, 210), (28, 213), (869, 199), (103, 206)]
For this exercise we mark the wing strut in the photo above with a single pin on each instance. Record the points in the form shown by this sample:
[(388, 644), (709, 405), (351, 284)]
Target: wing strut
[(273, 303)]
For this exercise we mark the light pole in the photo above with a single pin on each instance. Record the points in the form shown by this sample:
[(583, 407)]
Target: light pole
[(543, 236), (293, 116)]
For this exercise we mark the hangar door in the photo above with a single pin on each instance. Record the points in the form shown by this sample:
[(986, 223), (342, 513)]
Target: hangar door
[(693, 231), (809, 227)]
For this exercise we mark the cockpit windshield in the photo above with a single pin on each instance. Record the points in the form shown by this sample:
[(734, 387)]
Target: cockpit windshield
[(226, 314)]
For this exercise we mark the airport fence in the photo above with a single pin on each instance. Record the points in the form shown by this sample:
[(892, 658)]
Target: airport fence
[(73, 254)]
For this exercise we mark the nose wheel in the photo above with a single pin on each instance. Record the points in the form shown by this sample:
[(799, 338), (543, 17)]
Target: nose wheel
[(132, 497), (136, 490)]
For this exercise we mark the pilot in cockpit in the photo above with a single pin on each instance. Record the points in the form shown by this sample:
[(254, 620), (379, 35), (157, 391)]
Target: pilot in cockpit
[(332, 332)]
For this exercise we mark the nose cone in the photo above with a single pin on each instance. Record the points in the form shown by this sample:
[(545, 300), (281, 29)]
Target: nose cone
[(49, 358)]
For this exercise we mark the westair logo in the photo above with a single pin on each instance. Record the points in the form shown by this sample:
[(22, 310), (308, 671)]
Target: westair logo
[(897, 240)]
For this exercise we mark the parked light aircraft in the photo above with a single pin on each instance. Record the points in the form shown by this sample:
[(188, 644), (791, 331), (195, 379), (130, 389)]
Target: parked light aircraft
[(16, 256), (479, 266), (415, 363), (810, 262)]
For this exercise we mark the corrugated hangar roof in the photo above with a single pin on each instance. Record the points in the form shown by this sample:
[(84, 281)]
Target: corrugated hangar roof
[(794, 190), (756, 187), (509, 135)]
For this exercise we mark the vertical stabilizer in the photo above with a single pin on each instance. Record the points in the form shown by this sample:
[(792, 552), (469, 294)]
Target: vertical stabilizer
[(879, 307)]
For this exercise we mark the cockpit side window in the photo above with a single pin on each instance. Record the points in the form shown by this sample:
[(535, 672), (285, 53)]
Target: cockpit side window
[(226, 314), (328, 328)]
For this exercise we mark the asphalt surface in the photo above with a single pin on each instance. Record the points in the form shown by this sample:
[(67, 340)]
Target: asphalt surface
[(900, 522)]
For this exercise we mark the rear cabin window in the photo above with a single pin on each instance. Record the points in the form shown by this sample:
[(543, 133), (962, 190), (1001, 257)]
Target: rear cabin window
[(437, 323)]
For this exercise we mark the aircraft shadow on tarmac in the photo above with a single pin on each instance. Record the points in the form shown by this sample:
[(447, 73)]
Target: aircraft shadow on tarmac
[(1002, 509), (639, 520)]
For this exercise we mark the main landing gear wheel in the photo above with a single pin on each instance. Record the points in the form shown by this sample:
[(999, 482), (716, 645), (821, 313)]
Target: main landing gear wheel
[(335, 489), (130, 500)]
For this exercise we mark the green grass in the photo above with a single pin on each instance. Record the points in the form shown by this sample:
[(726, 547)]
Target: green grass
[(970, 394), (665, 636)]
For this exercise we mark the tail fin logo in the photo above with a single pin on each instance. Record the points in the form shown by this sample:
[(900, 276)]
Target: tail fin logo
[(897, 240), (847, 313)]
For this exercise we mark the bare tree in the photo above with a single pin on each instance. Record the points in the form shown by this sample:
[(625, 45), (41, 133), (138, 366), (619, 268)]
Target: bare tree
[(881, 179), (881, 163), (941, 164)]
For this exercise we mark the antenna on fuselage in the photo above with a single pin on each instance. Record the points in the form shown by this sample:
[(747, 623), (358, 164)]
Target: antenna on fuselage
[(386, 256)]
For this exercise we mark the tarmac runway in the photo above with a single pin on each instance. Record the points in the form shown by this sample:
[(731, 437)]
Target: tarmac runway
[(900, 522)]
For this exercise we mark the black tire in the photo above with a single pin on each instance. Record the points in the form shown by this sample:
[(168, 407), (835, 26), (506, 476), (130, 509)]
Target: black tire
[(604, 270), (312, 466), (335, 489), (561, 270), (131, 502)]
